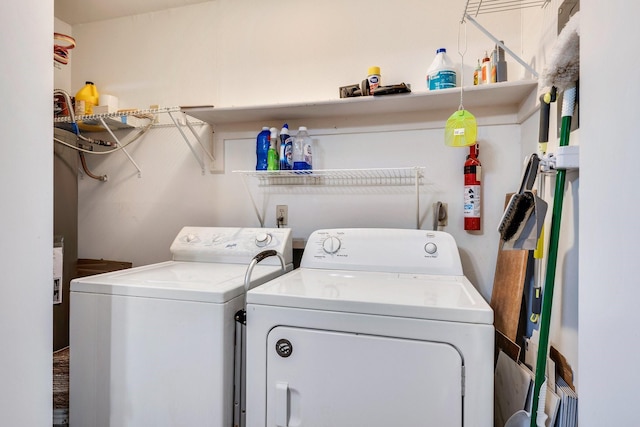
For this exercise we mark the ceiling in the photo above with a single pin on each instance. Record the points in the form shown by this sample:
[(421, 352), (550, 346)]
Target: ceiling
[(82, 11)]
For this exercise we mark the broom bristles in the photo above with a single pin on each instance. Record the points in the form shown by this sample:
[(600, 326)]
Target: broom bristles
[(517, 213)]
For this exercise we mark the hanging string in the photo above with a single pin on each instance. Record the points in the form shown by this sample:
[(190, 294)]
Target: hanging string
[(462, 52)]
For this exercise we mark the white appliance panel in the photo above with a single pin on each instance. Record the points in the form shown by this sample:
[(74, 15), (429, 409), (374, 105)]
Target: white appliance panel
[(384, 250), (179, 280), (231, 245), (451, 298), (340, 379), (475, 343), (150, 362)]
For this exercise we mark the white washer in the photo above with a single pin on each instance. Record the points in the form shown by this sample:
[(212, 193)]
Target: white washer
[(377, 328), (154, 345)]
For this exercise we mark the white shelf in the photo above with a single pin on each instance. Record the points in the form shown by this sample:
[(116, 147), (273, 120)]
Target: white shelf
[(510, 94)]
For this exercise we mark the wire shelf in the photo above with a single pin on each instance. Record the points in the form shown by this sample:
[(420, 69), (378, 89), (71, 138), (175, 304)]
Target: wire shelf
[(94, 118), (479, 7), (110, 122), (335, 178), (339, 177)]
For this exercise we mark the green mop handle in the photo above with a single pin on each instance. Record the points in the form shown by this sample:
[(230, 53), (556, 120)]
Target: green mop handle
[(547, 297)]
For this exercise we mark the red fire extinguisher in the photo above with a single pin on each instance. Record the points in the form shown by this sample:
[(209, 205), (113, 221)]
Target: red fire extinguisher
[(472, 189)]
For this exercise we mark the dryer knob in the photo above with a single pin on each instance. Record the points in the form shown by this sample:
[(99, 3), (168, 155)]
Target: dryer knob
[(331, 244), (430, 248), (263, 239), (190, 237)]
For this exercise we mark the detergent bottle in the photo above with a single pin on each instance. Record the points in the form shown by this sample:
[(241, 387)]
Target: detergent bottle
[(441, 73), (86, 98), (262, 149)]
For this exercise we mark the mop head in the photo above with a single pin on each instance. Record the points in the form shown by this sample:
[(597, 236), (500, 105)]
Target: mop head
[(563, 68)]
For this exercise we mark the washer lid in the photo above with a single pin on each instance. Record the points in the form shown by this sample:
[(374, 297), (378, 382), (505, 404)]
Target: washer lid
[(447, 298), (177, 280)]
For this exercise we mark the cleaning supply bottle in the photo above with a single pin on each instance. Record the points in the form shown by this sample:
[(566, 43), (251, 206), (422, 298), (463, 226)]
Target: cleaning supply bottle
[(286, 148), (501, 64), (486, 69), (373, 78), (262, 149), (86, 98), (476, 74), (494, 59), (441, 73), (273, 161), (302, 150)]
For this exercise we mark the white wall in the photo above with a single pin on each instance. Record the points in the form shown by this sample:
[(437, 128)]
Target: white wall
[(233, 53), (26, 168), (608, 209)]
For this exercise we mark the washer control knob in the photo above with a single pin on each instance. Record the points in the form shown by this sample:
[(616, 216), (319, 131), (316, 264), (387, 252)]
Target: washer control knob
[(190, 237), (263, 239), (331, 244), (430, 248)]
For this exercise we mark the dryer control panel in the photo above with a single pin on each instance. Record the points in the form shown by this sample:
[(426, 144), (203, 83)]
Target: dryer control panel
[(231, 244), (386, 250)]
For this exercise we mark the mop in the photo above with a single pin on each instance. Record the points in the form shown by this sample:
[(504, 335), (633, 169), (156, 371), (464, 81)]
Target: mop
[(562, 73)]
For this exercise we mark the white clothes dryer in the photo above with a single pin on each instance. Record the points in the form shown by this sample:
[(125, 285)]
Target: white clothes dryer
[(154, 345), (377, 328)]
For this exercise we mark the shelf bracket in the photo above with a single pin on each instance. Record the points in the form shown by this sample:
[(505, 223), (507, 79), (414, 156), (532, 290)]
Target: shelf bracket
[(260, 216), (186, 140), (124, 150), (501, 44)]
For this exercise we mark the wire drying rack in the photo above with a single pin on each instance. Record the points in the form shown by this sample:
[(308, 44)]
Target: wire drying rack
[(333, 178), (473, 8), (339, 177), (479, 7), (110, 122)]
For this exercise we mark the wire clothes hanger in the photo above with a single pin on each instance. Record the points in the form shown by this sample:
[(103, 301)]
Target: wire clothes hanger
[(461, 128)]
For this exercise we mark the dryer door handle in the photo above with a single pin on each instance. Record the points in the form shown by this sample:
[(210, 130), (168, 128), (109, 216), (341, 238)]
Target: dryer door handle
[(282, 404)]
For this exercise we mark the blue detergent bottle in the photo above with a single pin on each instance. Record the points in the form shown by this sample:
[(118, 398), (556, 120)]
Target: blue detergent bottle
[(262, 149)]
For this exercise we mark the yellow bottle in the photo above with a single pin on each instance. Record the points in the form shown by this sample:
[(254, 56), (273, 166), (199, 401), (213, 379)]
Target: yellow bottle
[(86, 98)]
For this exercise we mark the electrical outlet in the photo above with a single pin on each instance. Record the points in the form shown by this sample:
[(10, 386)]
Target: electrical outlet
[(443, 215), (282, 214)]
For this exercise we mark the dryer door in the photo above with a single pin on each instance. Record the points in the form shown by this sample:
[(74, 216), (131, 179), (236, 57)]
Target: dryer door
[(324, 378)]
